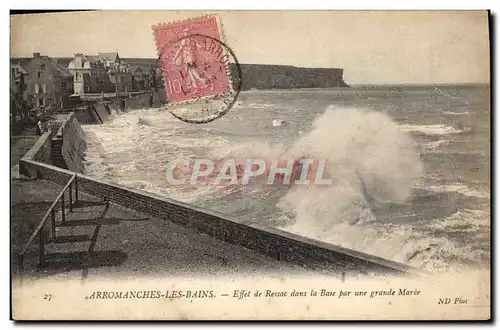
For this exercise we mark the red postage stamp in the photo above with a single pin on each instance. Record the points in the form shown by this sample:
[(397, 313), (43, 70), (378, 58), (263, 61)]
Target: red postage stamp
[(194, 62)]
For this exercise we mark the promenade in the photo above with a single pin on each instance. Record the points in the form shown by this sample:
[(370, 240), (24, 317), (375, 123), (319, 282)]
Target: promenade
[(123, 243)]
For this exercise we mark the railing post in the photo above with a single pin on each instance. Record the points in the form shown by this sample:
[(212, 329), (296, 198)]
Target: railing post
[(42, 249), (71, 197), (53, 223), (63, 211), (76, 188)]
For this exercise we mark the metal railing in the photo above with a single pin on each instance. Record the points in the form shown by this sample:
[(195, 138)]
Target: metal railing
[(51, 213)]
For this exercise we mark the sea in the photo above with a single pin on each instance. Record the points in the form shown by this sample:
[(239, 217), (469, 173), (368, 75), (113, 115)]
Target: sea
[(410, 166)]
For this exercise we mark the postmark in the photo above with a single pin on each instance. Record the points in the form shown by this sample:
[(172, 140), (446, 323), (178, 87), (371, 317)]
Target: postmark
[(201, 74)]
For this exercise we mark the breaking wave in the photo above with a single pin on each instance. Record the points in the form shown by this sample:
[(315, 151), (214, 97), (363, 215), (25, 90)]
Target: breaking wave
[(369, 159)]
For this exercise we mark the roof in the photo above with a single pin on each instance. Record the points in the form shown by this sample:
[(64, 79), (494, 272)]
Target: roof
[(20, 60), (20, 67), (134, 68), (90, 58), (147, 68), (53, 63), (108, 56), (59, 68)]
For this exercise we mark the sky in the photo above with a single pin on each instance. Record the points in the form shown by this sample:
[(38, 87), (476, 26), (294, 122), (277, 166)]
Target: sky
[(373, 47)]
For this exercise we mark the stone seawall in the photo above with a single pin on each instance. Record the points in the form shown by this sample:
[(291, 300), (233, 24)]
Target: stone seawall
[(278, 244), (68, 145), (74, 145)]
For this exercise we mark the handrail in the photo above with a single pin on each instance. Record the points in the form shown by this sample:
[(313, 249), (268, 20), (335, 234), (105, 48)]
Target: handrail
[(44, 219)]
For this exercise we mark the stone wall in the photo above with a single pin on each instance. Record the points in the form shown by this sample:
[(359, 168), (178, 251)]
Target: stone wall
[(69, 145), (101, 113), (19, 146), (280, 245), (41, 152)]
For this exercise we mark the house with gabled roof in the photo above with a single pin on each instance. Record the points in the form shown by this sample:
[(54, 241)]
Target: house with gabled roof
[(109, 57), (139, 78), (48, 83)]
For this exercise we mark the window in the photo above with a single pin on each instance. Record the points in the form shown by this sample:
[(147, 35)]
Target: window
[(42, 66), (63, 86), (37, 89), (41, 102), (44, 88), (39, 74), (49, 101)]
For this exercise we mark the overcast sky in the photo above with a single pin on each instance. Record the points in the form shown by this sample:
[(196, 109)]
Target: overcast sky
[(372, 47)]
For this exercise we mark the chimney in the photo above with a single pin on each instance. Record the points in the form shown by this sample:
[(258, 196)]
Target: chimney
[(36, 54)]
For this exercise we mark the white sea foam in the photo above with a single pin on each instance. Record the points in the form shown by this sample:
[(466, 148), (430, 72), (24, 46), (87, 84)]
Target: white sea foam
[(433, 145), (459, 188), (438, 254), (430, 129), (135, 147), (463, 221), (456, 113), (257, 105), (402, 243), (277, 122), (366, 154)]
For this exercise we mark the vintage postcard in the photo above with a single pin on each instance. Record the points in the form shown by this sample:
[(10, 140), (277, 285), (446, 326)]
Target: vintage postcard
[(250, 165)]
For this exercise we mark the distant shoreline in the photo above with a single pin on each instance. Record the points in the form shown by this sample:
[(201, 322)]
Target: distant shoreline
[(361, 87), (419, 85)]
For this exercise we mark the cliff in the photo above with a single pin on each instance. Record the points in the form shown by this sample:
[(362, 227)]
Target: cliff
[(260, 76)]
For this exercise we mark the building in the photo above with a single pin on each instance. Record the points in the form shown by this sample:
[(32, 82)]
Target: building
[(104, 72), (16, 71), (139, 78), (109, 58), (18, 76), (151, 70), (89, 74), (19, 107), (119, 73), (120, 77), (48, 84)]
